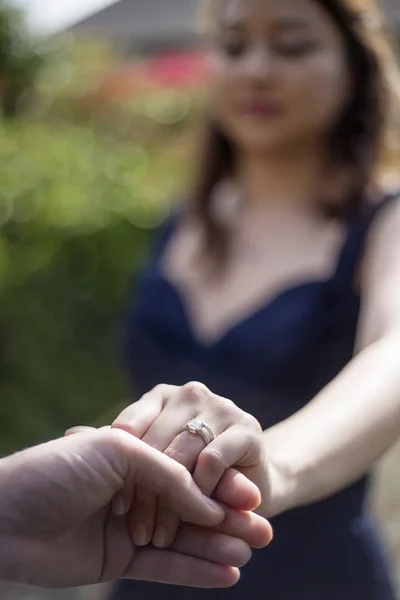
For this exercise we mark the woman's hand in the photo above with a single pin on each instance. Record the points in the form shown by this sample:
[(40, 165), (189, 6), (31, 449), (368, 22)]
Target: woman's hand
[(158, 418)]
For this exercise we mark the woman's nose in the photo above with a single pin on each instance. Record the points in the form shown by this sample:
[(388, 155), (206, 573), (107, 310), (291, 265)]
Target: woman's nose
[(259, 64)]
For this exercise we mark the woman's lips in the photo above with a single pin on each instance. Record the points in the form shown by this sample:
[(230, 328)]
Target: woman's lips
[(260, 109)]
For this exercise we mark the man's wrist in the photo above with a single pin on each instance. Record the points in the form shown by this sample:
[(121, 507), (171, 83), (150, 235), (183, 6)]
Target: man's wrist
[(5, 567), (10, 552), (8, 563)]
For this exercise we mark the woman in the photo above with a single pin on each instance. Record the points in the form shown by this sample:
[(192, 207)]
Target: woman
[(277, 288)]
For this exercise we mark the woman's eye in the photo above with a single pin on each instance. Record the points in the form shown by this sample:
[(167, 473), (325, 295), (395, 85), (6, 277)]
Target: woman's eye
[(233, 48), (294, 49)]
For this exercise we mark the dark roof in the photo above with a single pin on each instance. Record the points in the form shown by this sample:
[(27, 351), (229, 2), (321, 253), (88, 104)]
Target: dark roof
[(168, 21), (392, 9), (144, 22)]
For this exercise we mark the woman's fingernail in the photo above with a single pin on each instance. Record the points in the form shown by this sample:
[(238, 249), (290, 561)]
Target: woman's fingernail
[(77, 429), (118, 506), (139, 536), (160, 537)]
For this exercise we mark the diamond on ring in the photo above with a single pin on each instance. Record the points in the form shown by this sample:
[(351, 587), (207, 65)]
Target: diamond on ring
[(195, 426)]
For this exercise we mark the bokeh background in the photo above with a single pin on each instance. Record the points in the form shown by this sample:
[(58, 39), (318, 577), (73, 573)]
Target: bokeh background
[(95, 138), (100, 104)]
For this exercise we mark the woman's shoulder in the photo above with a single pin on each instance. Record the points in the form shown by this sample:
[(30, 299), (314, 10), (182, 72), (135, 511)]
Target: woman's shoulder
[(380, 265), (379, 271), (385, 216)]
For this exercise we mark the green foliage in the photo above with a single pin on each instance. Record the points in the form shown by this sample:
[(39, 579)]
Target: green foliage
[(84, 180), (21, 58), (76, 211)]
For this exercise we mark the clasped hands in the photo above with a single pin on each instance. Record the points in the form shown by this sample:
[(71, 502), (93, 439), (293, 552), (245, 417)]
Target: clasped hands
[(139, 499), (157, 420)]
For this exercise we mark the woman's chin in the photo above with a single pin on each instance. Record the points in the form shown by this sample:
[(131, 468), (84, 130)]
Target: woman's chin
[(261, 144)]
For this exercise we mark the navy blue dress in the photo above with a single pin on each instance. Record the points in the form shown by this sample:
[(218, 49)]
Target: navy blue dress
[(271, 364)]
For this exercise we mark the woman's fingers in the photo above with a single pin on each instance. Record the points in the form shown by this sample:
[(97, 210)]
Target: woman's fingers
[(237, 491), (233, 488), (199, 557), (184, 449), (147, 420), (215, 546), (157, 419), (138, 417), (151, 518), (237, 446), (80, 429), (165, 435), (172, 568), (247, 526), (166, 429), (166, 478)]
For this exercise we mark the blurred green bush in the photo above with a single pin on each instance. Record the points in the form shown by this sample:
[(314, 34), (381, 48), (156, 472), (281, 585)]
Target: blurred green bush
[(21, 59), (86, 175), (76, 212)]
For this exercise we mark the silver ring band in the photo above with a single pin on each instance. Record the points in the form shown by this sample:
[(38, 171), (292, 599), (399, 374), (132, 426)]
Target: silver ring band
[(198, 427)]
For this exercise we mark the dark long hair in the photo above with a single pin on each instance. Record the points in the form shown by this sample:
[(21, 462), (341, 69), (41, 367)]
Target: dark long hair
[(353, 145)]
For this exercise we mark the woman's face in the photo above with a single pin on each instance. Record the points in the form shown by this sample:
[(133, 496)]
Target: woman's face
[(280, 73)]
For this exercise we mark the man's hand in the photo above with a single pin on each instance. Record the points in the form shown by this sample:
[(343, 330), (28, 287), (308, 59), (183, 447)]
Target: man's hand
[(58, 529)]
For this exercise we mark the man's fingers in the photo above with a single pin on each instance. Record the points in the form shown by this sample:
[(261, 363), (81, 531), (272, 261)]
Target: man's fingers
[(166, 478), (142, 516), (164, 566), (214, 546)]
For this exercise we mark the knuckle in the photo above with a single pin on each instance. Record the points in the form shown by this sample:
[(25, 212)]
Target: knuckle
[(160, 389), (225, 410), (230, 405), (254, 437), (251, 422), (196, 390), (211, 460), (253, 441), (115, 445), (119, 439), (247, 440), (182, 475), (229, 412)]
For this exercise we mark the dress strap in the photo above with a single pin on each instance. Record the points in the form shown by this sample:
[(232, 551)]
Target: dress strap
[(354, 244), (162, 235)]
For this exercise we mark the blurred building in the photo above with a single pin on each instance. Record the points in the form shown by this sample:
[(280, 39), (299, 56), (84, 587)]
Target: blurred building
[(151, 26), (145, 26), (392, 10)]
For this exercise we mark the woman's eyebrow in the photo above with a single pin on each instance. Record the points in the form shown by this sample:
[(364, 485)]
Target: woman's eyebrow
[(281, 23)]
